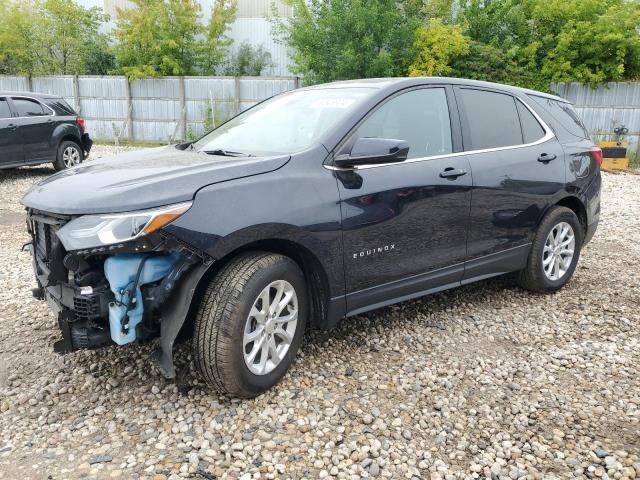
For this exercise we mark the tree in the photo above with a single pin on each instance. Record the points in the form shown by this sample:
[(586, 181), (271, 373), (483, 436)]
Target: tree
[(99, 58), (17, 38), (249, 61), (443, 10), (491, 64), (589, 41), (216, 43), (69, 30), (48, 37), (345, 39), (594, 52), (435, 45), (158, 37)]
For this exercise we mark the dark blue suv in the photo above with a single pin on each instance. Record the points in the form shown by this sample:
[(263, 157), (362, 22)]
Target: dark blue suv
[(314, 205)]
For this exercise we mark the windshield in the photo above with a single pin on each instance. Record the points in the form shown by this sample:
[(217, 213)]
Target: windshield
[(287, 123)]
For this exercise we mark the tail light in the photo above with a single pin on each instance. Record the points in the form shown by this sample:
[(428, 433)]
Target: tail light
[(596, 153), (81, 124)]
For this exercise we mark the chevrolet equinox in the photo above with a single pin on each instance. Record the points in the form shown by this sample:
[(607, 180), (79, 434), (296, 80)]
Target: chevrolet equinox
[(314, 205)]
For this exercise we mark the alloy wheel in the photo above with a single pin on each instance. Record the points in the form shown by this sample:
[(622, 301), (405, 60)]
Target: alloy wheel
[(270, 327), (70, 157), (558, 251)]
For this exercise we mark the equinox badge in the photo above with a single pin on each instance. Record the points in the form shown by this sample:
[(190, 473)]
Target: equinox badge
[(374, 251)]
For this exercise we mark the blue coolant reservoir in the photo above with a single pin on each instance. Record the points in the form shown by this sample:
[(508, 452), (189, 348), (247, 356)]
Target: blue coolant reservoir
[(121, 271)]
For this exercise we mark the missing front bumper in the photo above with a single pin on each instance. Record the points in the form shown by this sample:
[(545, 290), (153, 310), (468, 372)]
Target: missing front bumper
[(82, 311)]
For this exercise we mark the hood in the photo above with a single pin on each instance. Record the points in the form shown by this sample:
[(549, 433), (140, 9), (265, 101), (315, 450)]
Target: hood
[(140, 179)]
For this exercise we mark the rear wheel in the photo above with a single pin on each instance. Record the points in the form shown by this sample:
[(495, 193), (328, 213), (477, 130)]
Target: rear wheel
[(69, 155), (554, 253), (251, 323)]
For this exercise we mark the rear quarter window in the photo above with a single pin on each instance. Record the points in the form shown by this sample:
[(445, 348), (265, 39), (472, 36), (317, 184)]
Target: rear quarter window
[(564, 114), (60, 106)]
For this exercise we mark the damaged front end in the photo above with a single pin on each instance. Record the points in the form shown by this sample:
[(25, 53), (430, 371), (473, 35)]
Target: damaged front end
[(115, 279)]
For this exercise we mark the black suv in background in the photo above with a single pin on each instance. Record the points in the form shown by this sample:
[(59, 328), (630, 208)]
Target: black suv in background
[(37, 128), (316, 204)]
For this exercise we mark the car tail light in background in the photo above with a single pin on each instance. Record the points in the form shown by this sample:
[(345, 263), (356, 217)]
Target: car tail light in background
[(81, 123), (596, 153)]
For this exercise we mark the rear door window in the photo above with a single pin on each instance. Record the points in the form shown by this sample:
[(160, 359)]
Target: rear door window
[(28, 108), (5, 112), (420, 117), (490, 120), (531, 128)]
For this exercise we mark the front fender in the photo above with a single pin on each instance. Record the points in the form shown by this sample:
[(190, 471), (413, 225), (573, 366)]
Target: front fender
[(296, 204)]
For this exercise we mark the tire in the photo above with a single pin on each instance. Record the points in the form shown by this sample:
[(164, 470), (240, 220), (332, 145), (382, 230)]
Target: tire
[(68, 155), (534, 276), (225, 316)]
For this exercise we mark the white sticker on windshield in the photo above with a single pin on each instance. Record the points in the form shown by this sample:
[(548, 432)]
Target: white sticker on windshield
[(332, 103)]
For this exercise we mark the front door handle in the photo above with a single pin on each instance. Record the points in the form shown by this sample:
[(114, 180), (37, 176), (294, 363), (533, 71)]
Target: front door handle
[(452, 173), (546, 157), (12, 126)]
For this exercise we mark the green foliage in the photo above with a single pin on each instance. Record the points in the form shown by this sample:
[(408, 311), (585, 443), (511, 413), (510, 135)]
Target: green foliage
[(589, 41), (158, 37), (166, 37), (596, 52), (48, 37), (440, 9), (99, 58), (17, 37), (435, 45), (345, 39), (492, 64), (523, 42), (69, 30), (208, 124), (249, 61), (214, 48)]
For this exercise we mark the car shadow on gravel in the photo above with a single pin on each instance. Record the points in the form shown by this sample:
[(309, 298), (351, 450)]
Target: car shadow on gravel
[(21, 173), (428, 309), (423, 312)]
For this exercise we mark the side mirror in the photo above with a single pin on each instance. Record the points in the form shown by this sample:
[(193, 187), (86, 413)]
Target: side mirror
[(368, 151)]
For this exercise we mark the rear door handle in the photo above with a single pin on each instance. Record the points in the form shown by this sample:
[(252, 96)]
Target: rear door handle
[(12, 126), (546, 157), (452, 173)]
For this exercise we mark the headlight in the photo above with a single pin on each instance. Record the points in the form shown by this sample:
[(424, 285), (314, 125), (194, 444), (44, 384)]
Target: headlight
[(91, 231)]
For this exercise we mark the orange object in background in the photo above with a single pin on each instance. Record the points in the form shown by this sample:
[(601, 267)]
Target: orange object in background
[(614, 155)]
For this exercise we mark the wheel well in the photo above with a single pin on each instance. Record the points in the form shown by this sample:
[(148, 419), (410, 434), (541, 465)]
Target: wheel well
[(314, 274), (69, 138), (574, 203)]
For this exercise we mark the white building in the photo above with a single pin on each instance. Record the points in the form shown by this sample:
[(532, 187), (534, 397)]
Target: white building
[(252, 25)]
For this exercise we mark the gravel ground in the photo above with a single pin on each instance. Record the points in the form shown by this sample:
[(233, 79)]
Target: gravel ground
[(482, 381)]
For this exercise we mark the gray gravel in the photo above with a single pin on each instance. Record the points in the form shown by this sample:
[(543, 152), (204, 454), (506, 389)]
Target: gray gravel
[(482, 381)]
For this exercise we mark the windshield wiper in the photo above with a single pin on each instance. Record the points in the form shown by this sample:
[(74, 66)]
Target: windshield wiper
[(226, 153)]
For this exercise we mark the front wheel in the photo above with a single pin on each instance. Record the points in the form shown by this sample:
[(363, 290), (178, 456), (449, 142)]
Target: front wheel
[(554, 253), (69, 155), (250, 323)]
